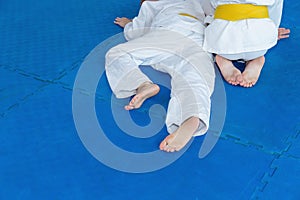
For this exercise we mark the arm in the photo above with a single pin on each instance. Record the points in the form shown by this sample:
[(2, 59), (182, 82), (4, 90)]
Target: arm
[(275, 12), (208, 7), (139, 25)]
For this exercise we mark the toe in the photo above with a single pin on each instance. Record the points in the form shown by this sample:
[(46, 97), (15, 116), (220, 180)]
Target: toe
[(169, 149), (239, 79), (128, 107), (133, 100), (243, 83), (172, 150), (163, 144), (166, 148)]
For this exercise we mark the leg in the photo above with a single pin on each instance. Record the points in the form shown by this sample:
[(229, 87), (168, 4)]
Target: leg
[(252, 71), (123, 73), (122, 61), (230, 73), (126, 79), (189, 107)]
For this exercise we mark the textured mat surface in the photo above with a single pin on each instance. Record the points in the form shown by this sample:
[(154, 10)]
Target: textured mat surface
[(47, 160)]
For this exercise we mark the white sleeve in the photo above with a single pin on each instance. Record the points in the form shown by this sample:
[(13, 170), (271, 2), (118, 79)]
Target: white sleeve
[(140, 24), (209, 10), (275, 12), (207, 7)]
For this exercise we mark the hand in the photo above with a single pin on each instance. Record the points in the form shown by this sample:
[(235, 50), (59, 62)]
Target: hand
[(122, 21), (283, 33)]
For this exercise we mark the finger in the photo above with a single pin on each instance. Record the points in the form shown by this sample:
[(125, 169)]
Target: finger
[(286, 31), (284, 36)]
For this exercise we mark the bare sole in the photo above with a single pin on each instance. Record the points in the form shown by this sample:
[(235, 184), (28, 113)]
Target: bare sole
[(229, 72), (252, 72)]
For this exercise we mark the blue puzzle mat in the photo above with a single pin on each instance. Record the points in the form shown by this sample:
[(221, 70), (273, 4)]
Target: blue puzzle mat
[(43, 154)]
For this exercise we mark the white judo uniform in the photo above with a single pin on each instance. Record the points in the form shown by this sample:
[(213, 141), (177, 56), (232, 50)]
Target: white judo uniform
[(172, 43), (243, 39)]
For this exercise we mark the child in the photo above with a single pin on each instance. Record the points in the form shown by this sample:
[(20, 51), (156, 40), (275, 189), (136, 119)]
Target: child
[(163, 33), (243, 29)]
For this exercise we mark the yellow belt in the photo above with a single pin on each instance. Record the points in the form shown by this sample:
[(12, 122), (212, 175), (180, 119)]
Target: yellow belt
[(187, 15), (235, 12)]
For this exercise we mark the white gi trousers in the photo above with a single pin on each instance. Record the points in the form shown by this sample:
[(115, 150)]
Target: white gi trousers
[(191, 70)]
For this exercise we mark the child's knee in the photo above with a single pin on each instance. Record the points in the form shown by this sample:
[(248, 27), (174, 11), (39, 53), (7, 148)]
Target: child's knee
[(113, 54)]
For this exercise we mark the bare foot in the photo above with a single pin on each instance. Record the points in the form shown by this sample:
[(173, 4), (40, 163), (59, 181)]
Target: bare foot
[(230, 73), (252, 71), (177, 140), (144, 91)]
